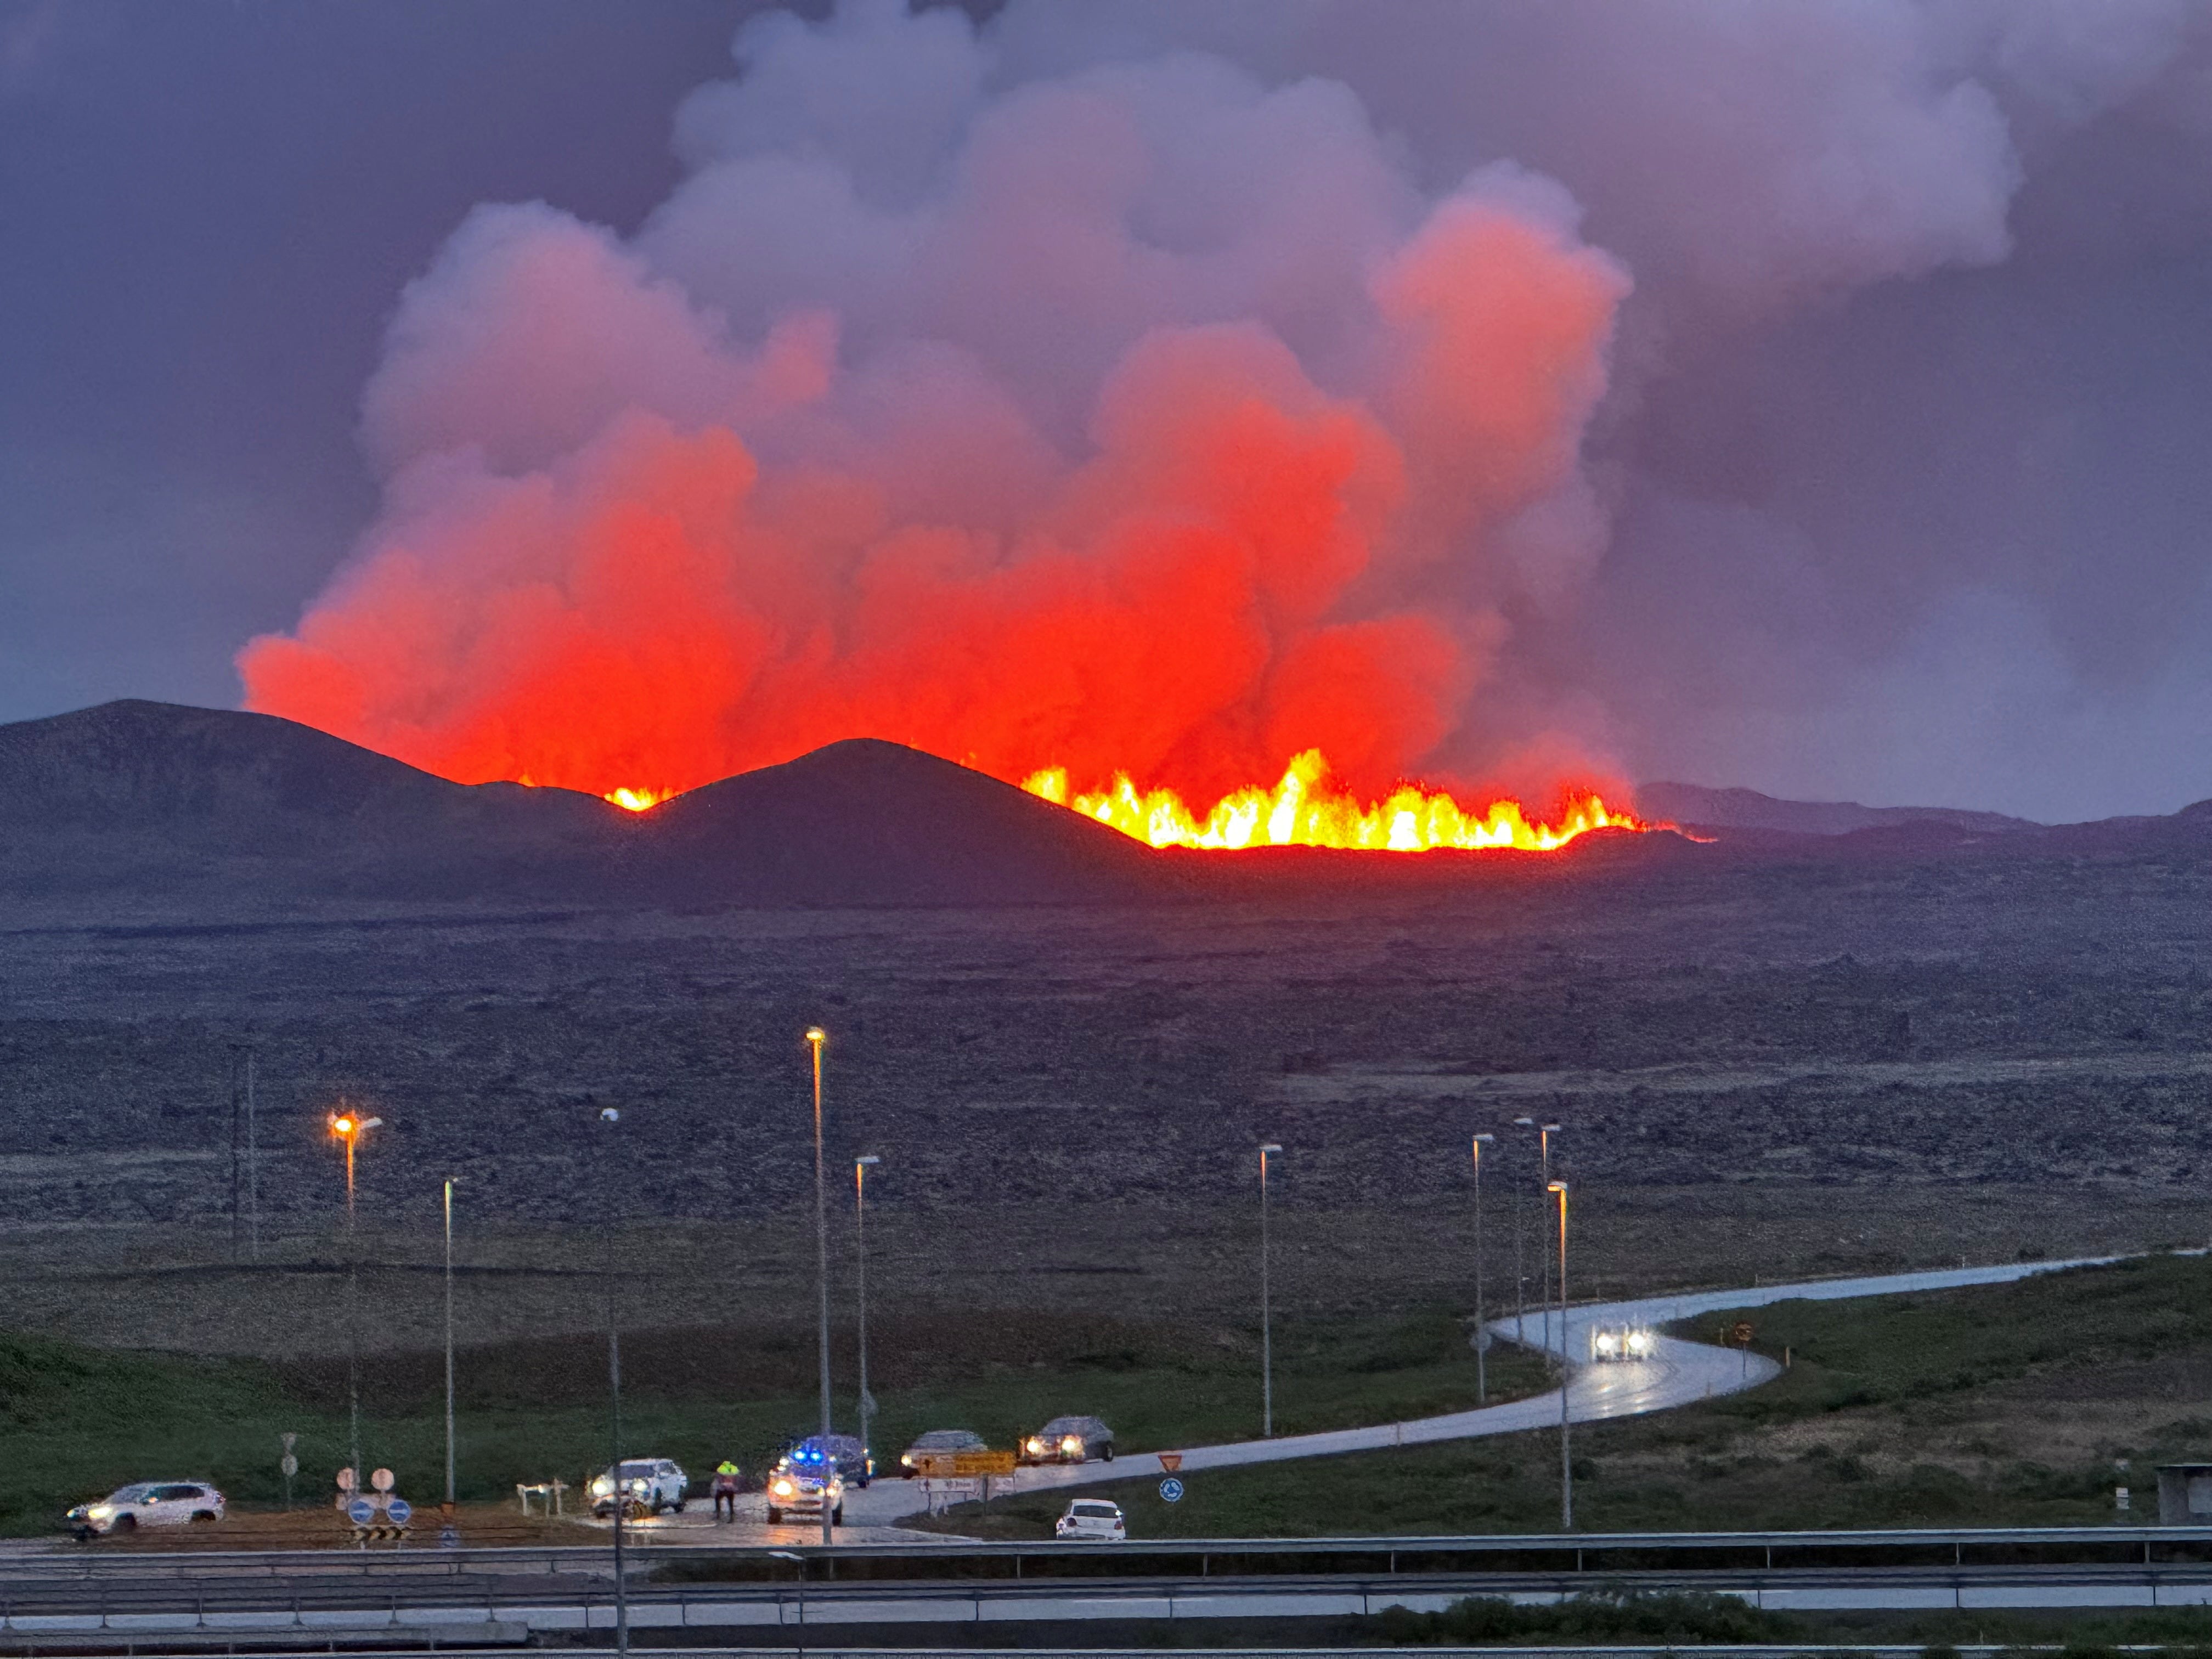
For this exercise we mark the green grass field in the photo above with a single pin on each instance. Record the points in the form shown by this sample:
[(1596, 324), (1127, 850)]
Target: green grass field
[(2019, 1404), (75, 1422)]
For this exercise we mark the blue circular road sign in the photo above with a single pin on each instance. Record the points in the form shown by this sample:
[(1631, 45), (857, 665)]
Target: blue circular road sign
[(1171, 1491), (361, 1511), (398, 1512)]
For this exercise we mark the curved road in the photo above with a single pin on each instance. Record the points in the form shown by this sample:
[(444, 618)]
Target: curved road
[(1678, 1374)]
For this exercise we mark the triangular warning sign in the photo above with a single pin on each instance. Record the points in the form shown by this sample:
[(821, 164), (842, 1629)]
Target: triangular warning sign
[(1171, 1462)]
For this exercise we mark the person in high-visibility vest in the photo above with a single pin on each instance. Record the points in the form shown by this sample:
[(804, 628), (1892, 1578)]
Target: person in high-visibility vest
[(726, 1491)]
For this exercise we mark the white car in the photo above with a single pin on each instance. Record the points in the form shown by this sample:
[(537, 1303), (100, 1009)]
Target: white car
[(1095, 1519), (149, 1504), (795, 1493), (649, 1485)]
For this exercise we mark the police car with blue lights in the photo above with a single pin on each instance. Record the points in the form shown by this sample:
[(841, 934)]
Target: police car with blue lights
[(806, 1482), (853, 1463)]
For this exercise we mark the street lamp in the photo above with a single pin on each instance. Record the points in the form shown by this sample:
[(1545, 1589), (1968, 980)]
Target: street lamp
[(1266, 1336), (449, 1351), (347, 1128), (1566, 1375), (611, 1115), (815, 1037), (1481, 1334), (1544, 1132), (860, 1167), (1520, 1274)]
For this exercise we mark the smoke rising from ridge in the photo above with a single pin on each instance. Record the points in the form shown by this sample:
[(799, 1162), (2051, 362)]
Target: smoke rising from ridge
[(1177, 386)]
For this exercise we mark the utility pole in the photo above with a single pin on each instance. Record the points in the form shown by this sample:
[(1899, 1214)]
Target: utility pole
[(815, 1037), (237, 1184), (252, 1165), (1481, 1330), (1566, 1462), (860, 1167), (1266, 1319), (449, 1351), (610, 1115)]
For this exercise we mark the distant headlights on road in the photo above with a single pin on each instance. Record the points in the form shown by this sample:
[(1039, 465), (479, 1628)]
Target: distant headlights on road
[(1614, 1343)]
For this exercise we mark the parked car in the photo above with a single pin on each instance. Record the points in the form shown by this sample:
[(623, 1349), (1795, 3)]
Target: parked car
[(1068, 1440), (802, 1491), (940, 1440), (1092, 1518), (851, 1457), (149, 1504), (648, 1485)]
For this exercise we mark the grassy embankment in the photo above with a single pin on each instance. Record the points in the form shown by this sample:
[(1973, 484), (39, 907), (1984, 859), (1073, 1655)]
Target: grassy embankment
[(2018, 1405), (75, 1422)]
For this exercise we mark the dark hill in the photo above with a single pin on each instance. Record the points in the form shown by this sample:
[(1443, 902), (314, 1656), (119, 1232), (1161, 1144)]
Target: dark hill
[(152, 802), (866, 822), (1693, 805)]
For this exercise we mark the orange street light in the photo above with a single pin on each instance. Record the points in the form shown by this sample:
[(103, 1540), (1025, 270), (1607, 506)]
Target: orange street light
[(347, 1126)]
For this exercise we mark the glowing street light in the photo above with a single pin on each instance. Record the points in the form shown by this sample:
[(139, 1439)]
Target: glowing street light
[(1566, 1464), (860, 1167), (815, 1037), (348, 1127), (1481, 1334), (1266, 1338), (1544, 1131)]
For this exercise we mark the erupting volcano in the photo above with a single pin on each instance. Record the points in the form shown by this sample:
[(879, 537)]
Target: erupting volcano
[(1163, 430)]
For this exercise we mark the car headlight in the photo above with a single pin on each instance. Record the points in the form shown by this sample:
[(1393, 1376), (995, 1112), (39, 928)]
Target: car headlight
[(100, 1512), (602, 1486), (907, 1458), (1071, 1442), (783, 1489), (1036, 1446)]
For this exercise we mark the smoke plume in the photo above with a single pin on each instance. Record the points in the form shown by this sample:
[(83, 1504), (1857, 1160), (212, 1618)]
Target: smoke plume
[(1144, 417), (1174, 385)]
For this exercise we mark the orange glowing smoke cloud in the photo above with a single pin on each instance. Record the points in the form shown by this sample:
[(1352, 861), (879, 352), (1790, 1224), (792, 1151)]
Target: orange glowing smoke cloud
[(1305, 810), (1168, 428)]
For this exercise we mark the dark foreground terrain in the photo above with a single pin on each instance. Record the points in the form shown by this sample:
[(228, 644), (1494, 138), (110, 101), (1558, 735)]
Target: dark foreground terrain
[(1775, 1053)]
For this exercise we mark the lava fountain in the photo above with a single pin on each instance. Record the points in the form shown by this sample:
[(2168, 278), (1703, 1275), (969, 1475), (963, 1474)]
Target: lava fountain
[(1307, 809)]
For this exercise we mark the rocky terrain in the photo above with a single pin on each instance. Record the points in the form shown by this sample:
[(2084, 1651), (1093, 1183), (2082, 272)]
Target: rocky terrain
[(1774, 1053)]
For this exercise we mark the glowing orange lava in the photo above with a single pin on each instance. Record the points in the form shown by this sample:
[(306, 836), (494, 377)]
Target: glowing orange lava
[(1304, 809), (636, 800)]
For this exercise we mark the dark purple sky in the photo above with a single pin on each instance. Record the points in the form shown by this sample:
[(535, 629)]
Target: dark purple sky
[(1906, 463)]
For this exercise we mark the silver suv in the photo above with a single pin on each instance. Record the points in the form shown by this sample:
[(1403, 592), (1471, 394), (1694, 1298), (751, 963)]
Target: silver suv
[(148, 1503), (647, 1485)]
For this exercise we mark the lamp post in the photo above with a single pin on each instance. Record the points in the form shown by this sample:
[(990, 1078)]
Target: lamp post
[(1566, 1464), (347, 1128), (1544, 1132), (449, 1351), (1266, 1319), (860, 1167), (610, 1115), (815, 1037), (1520, 1275), (1481, 1334)]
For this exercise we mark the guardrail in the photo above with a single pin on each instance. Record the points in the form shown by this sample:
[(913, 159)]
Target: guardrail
[(1594, 1553)]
